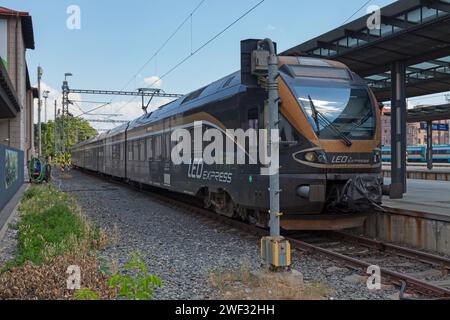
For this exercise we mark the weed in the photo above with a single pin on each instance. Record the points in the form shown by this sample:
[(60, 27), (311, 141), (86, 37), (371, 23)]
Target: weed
[(85, 294), (138, 284)]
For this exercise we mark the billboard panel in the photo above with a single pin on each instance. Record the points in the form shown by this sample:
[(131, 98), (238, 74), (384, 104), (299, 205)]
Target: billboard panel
[(11, 167)]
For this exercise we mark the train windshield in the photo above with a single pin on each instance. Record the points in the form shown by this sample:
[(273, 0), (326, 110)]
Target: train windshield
[(333, 112)]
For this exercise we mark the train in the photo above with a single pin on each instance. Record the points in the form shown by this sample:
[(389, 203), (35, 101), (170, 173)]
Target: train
[(330, 149), (441, 154)]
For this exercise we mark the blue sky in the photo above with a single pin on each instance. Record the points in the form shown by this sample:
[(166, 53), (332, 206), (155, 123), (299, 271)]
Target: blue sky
[(117, 37)]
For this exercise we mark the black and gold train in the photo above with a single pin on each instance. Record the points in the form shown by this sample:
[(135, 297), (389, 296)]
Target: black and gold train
[(330, 152)]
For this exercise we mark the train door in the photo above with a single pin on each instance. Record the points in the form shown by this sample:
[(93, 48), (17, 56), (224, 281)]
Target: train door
[(156, 171), (167, 163), (101, 157)]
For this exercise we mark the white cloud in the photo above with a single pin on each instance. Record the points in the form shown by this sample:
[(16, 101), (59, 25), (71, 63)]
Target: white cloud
[(271, 27), (153, 82)]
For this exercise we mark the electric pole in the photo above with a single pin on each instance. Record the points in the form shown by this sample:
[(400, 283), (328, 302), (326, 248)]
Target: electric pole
[(40, 71), (275, 249), (45, 95), (65, 109), (55, 129)]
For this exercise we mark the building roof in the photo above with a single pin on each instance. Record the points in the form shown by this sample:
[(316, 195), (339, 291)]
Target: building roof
[(27, 25), (414, 31), (426, 113)]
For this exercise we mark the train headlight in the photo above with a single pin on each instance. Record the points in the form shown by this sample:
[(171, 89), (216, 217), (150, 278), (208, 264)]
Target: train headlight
[(311, 156)]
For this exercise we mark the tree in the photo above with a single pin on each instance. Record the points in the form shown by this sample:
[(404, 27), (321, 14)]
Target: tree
[(76, 130)]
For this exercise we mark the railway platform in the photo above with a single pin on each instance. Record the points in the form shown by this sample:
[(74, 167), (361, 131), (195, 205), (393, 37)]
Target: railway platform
[(440, 172), (421, 219)]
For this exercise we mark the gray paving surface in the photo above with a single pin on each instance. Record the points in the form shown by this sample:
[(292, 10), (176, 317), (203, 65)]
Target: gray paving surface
[(423, 196)]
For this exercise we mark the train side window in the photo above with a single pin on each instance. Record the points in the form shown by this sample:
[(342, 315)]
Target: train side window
[(167, 149), (158, 151), (130, 151), (142, 151), (122, 153), (253, 118), (149, 149), (287, 132), (115, 152)]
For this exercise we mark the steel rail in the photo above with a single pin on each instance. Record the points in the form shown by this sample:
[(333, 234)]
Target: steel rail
[(395, 278), (399, 250)]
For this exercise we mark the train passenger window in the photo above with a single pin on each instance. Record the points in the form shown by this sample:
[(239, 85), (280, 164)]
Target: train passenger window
[(149, 149), (136, 150), (167, 149), (116, 152), (158, 151), (142, 151), (253, 118), (130, 151), (121, 152)]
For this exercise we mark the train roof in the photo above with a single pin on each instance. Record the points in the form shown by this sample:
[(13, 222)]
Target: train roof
[(217, 90)]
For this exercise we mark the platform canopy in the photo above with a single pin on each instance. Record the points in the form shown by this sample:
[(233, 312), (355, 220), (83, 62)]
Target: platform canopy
[(429, 113), (416, 32)]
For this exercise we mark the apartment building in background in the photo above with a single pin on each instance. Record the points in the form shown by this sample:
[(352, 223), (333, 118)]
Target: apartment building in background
[(416, 134), (16, 94)]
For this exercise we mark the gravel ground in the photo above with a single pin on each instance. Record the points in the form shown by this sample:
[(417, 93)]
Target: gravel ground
[(8, 244), (183, 249)]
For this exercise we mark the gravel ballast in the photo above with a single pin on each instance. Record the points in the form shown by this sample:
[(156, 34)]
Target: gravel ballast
[(183, 249)]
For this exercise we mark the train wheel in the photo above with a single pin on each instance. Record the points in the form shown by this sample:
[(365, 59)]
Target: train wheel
[(222, 203)]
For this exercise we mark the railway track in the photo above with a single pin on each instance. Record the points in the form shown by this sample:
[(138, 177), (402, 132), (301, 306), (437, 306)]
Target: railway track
[(340, 247)]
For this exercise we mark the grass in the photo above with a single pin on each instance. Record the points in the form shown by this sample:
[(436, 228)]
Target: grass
[(51, 225), (52, 235)]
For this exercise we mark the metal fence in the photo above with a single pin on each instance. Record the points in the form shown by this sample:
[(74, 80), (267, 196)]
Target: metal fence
[(11, 173)]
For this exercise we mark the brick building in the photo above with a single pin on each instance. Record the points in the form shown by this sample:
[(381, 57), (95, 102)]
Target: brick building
[(415, 135), (16, 93)]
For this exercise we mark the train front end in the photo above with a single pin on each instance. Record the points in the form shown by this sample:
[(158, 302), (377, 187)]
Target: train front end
[(330, 149)]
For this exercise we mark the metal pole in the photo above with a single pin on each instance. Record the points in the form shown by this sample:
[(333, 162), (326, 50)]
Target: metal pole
[(430, 145), (398, 130), (55, 130), (39, 72), (274, 180), (64, 105)]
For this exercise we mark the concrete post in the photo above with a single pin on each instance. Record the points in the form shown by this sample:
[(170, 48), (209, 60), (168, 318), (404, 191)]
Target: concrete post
[(398, 130)]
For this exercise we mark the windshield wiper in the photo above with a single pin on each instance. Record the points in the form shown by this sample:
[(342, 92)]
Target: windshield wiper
[(360, 122), (320, 116)]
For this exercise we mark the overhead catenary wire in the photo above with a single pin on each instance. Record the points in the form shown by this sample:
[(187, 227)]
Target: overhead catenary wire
[(356, 12), (209, 41), (189, 16), (200, 48), (155, 54)]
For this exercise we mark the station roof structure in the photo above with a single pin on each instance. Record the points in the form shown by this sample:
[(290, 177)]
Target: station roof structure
[(27, 25), (414, 31)]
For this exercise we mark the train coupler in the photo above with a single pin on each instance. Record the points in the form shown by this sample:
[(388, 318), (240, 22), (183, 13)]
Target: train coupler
[(276, 253)]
